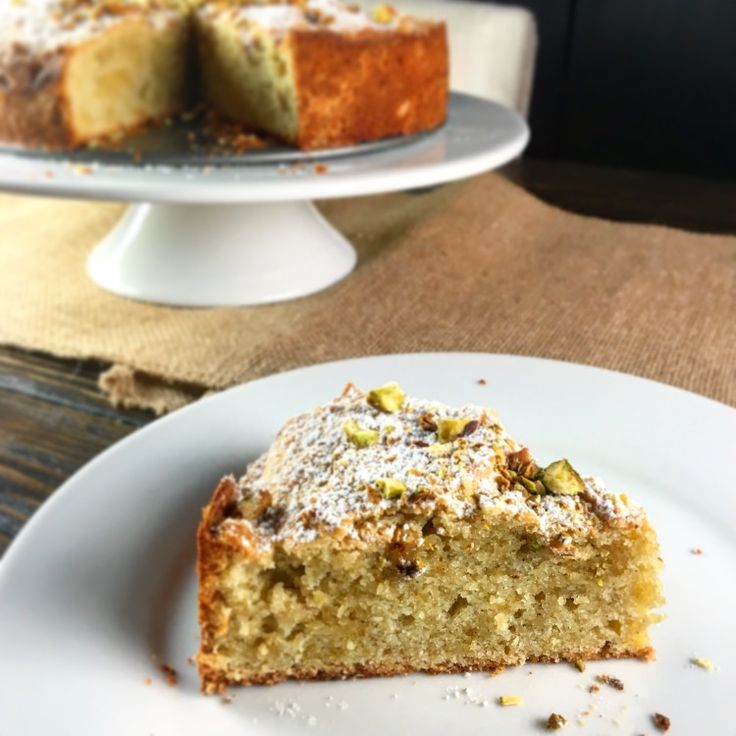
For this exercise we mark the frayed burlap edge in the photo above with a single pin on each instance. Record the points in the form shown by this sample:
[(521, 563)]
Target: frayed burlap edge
[(133, 389)]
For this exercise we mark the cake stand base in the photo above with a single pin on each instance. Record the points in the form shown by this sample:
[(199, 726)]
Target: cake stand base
[(220, 255)]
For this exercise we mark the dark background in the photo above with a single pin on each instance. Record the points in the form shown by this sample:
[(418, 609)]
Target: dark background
[(636, 84)]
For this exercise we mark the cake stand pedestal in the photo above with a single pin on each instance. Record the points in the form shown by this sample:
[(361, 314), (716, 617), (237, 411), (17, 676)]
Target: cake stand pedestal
[(235, 230), (220, 254)]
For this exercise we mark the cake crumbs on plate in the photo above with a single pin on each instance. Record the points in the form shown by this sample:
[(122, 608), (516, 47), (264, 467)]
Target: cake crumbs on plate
[(703, 662), (285, 708), (613, 682), (696, 551), (82, 169), (510, 700), (467, 695), (190, 660), (170, 674), (661, 722), (321, 168), (482, 382), (594, 688), (556, 721), (148, 681), (579, 665)]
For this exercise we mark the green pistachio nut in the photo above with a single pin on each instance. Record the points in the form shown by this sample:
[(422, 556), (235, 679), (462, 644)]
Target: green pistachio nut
[(390, 488), (359, 437), (388, 398), (561, 478), (533, 486), (450, 429)]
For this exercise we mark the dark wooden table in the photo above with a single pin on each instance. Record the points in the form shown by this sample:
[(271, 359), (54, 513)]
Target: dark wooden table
[(53, 419)]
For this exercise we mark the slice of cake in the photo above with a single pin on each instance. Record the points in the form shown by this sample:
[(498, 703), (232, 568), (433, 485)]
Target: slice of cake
[(382, 534), (320, 74), (74, 71)]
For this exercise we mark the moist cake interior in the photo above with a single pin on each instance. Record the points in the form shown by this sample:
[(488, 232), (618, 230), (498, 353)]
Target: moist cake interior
[(481, 597), (136, 72)]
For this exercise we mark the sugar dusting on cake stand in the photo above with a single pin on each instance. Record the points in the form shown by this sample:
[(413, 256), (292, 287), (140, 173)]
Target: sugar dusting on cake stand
[(242, 230)]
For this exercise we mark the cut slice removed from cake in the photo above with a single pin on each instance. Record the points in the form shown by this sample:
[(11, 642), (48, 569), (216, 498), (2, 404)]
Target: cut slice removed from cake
[(320, 73), (382, 534)]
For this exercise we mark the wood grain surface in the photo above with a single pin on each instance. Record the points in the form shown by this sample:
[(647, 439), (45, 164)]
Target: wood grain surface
[(53, 419)]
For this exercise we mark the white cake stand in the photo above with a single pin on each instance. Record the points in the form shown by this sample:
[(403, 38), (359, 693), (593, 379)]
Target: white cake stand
[(243, 230)]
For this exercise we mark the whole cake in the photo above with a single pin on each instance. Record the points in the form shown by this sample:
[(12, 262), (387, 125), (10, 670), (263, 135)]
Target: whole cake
[(382, 534), (314, 73)]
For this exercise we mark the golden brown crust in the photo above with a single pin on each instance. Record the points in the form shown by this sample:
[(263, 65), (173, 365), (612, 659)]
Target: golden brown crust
[(212, 558), (214, 682), (369, 85)]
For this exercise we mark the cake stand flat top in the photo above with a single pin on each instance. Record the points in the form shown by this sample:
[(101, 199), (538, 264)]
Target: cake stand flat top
[(479, 135)]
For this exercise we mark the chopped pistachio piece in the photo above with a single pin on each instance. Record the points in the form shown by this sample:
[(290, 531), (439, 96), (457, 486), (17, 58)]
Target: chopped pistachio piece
[(428, 422), (450, 429), (439, 449), (388, 398), (359, 437), (383, 13), (561, 478), (390, 488), (511, 700), (533, 486)]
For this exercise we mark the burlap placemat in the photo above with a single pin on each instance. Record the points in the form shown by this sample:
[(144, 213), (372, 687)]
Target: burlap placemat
[(479, 265)]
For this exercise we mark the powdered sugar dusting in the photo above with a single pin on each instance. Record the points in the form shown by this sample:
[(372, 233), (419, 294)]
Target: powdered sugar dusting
[(310, 15), (37, 26), (314, 481)]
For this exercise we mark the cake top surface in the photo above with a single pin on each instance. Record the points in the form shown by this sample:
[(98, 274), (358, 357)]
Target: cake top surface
[(279, 17), (35, 26), (362, 465)]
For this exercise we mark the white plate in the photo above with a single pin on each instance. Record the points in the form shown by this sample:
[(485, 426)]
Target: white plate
[(102, 576)]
